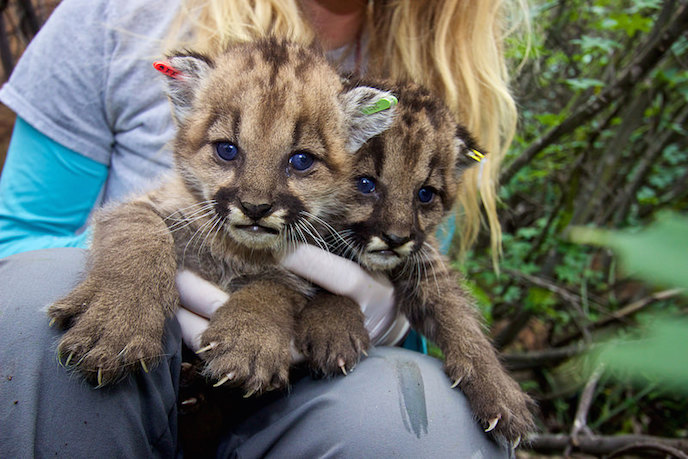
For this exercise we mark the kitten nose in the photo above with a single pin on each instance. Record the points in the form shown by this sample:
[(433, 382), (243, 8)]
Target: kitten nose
[(394, 241), (256, 211)]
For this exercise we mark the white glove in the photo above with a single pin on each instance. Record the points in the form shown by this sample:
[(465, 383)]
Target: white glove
[(375, 295), (200, 299)]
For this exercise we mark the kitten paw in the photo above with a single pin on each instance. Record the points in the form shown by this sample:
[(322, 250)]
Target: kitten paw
[(498, 403), (330, 333), (256, 360), (101, 344)]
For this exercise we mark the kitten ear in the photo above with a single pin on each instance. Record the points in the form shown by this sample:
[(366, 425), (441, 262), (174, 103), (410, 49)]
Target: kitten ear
[(184, 75), (468, 153), (369, 112)]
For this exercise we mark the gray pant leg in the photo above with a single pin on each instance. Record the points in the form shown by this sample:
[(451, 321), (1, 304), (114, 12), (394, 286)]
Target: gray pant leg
[(46, 411), (396, 403)]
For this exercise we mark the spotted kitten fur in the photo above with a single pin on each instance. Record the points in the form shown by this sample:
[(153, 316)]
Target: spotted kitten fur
[(264, 142), (406, 180)]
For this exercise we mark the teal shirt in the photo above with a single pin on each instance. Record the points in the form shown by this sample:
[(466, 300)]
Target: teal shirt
[(47, 192)]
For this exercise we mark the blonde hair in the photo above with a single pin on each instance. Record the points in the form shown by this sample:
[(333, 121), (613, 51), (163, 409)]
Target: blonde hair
[(454, 47)]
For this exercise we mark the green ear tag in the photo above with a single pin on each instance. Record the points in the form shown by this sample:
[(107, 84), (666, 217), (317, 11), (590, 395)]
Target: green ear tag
[(382, 104)]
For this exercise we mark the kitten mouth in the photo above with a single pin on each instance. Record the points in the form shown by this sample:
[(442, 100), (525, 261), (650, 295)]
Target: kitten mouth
[(384, 253), (257, 229)]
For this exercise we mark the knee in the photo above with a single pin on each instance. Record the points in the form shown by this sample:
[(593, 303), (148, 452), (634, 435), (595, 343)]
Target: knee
[(399, 402)]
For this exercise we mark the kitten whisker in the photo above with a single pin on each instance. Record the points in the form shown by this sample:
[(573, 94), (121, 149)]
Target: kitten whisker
[(181, 224), (430, 262), (182, 210), (198, 231), (332, 230), (317, 238), (216, 218), (300, 233)]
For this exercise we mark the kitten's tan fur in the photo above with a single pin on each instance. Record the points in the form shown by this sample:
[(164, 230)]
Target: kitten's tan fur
[(391, 230), (229, 220)]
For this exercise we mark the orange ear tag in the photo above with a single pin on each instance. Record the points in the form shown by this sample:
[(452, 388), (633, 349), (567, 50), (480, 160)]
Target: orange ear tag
[(167, 69)]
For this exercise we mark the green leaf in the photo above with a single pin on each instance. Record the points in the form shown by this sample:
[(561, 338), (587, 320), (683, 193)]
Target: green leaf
[(589, 43), (658, 253), (584, 83), (662, 354), (639, 5), (631, 23)]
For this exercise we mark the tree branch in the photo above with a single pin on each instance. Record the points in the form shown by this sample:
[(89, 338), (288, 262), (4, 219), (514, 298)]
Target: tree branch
[(597, 444), (628, 78), (621, 314), (538, 359), (672, 452), (580, 423)]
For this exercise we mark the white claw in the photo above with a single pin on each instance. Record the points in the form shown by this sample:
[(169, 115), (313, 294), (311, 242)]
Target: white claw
[(100, 376), (143, 365), (249, 393), (207, 348), (226, 378), (342, 365), (517, 442), (69, 358), (190, 401), (493, 424), (52, 322), (364, 352), (456, 383)]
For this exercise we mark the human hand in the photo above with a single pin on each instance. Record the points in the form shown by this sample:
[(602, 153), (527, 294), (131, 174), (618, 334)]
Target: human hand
[(199, 301), (375, 295)]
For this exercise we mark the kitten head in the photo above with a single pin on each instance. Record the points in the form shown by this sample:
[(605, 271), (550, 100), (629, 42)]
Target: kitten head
[(265, 134), (406, 180)]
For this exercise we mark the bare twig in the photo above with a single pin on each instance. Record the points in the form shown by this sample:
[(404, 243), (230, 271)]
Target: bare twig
[(598, 444), (548, 357), (673, 452), (621, 314), (580, 421)]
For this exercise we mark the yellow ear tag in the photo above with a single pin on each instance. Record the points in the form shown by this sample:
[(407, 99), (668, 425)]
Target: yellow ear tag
[(476, 155), (382, 104)]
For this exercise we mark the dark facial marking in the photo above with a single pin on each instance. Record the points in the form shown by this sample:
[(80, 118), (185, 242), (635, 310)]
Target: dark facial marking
[(222, 199), (298, 132), (421, 100), (236, 126), (274, 53), (292, 204), (376, 150), (306, 63), (271, 108)]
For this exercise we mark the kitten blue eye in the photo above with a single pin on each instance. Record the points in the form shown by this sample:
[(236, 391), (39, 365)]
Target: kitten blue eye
[(226, 150), (301, 161), (365, 185), (426, 194)]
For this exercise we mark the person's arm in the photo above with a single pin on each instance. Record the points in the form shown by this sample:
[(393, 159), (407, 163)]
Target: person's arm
[(47, 192)]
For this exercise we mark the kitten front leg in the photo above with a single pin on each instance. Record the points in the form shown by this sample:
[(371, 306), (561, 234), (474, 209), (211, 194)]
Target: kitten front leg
[(439, 308), (248, 340), (116, 316), (331, 334)]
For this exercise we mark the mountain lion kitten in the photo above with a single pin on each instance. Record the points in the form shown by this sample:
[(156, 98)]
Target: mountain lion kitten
[(264, 143), (406, 180)]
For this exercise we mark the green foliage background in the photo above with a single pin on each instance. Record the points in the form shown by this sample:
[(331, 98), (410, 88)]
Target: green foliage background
[(618, 167)]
